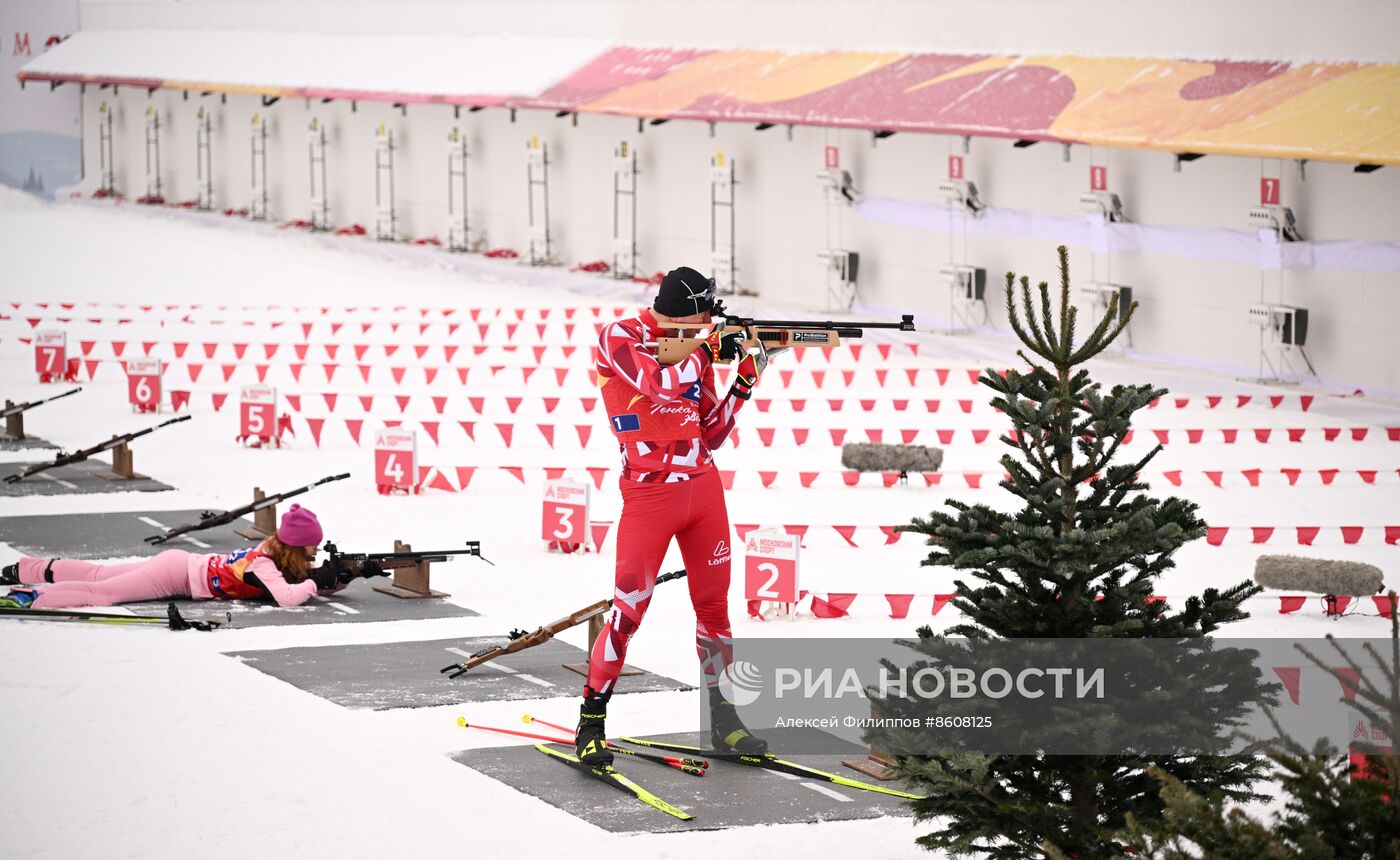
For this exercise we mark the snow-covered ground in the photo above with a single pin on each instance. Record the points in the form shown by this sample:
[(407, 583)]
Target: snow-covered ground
[(132, 743)]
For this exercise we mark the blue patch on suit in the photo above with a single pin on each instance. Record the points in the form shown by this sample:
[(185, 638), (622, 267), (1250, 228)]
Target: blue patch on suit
[(626, 423), (692, 393)]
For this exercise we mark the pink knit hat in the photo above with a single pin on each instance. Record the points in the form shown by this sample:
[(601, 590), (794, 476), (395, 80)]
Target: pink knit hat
[(299, 528)]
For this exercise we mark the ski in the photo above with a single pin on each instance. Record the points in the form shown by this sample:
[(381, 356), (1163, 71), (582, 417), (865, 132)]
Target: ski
[(172, 619), (768, 761), (616, 779)]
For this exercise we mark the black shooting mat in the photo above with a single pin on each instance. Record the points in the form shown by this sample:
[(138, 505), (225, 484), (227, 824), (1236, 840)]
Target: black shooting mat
[(405, 674), (114, 535), (9, 443), (728, 795), (73, 479), (357, 603)]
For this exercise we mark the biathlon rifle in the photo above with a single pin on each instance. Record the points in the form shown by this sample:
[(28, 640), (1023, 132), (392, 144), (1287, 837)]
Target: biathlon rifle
[(12, 408), (80, 456), (349, 565), (209, 519), (520, 640), (774, 335)]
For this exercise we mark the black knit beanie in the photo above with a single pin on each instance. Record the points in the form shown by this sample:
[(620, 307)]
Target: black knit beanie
[(684, 292)]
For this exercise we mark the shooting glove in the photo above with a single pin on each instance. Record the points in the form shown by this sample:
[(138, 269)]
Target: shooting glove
[(326, 577), (748, 371), (372, 568), (723, 346)]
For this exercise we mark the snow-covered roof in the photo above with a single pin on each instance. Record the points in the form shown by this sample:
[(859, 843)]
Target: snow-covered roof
[(454, 69), (1346, 112)]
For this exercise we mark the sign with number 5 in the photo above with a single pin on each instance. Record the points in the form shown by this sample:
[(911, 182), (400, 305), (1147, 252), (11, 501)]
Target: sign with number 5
[(50, 355), (565, 518), (396, 460), (257, 413), (770, 566), (143, 384)]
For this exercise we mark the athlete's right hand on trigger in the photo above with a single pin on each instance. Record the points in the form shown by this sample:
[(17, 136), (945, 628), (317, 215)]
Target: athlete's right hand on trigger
[(722, 345)]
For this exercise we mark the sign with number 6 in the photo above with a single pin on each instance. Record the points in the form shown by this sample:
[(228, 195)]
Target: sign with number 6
[(565, 520), (396, 460), (143, 384), (770, 566), (50, 355)]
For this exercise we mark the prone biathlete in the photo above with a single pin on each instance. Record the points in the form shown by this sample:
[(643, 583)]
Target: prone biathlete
[(668, 422), (278, 568)]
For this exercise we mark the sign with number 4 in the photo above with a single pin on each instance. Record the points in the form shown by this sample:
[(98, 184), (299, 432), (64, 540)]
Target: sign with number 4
[(565, 520), (770, 566), (396, 460), (143, 384)]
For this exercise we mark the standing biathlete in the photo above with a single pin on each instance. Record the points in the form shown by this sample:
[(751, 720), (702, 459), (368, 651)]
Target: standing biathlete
[(668, 422), (277, 568)]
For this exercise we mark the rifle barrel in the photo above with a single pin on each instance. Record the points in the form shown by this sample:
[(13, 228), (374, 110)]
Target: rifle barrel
[(79, 456), (210, 520), (23, 407), (906, 323)]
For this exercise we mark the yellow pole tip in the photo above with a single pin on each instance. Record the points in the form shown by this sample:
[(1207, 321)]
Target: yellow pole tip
[(462, 721), (527, 719)]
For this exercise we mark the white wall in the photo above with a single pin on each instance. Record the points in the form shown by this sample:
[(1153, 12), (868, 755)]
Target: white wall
[(1190, 310), (1205, 29)]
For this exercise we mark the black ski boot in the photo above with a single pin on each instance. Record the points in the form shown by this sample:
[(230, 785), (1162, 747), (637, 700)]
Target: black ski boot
[(590, 743), (9, 574), (727, 731)]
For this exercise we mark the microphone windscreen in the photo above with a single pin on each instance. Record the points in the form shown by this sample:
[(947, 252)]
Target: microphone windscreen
[(1319, 575)]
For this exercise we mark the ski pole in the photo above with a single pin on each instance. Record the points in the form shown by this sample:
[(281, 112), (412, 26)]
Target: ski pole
[(678, 762), (462, 721)]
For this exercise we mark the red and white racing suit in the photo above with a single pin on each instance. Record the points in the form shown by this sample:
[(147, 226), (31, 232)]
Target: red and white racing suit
[(668, 421)]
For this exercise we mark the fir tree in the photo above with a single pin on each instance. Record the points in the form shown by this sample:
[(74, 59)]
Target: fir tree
[(1330, 811), (1079, 559)]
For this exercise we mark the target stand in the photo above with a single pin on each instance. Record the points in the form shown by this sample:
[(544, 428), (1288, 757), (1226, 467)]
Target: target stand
[(412, 581)]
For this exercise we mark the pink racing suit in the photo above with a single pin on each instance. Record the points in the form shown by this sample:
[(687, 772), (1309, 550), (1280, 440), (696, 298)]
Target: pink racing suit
[(172, 573)]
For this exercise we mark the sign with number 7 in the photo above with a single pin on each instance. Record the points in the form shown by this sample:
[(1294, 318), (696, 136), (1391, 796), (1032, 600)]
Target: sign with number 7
[(50, 355), (396, 460), (770, 566)]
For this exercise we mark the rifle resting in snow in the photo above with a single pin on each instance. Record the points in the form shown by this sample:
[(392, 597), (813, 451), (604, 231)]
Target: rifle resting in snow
[(14, 412), (121, 456), (520, 640)]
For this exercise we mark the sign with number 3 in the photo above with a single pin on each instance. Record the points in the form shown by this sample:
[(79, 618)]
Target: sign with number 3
[(565, 519)]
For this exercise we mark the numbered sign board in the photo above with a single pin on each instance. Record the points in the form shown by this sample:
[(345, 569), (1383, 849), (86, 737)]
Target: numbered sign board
[(1268, 191), (1098, 177), (565, 511), (396, 459), (257, 412), (770, 566), (955, 167), (833, 158), (143, 384), (50, 355)]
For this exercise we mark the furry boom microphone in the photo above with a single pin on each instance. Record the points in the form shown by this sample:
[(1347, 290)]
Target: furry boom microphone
[(1295, 573), (870, 457)]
